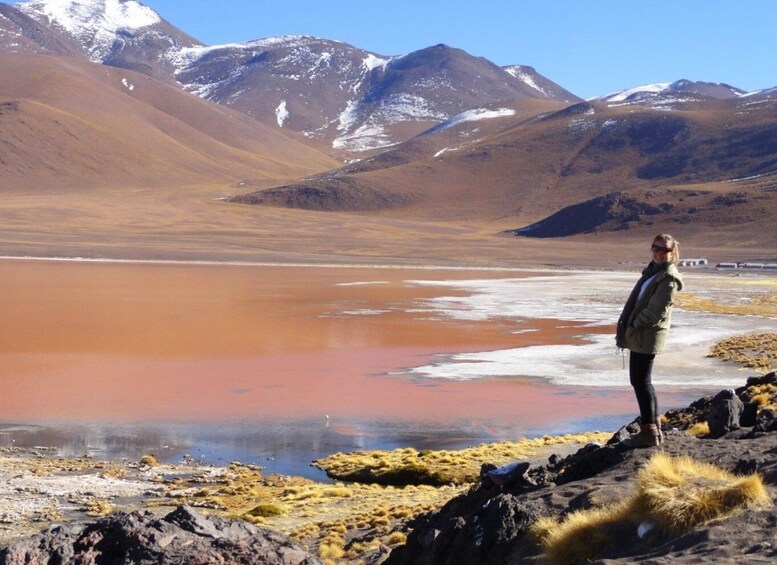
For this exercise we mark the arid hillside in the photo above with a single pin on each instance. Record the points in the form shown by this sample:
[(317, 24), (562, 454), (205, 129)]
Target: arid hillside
[(67, 123), (704, 166)]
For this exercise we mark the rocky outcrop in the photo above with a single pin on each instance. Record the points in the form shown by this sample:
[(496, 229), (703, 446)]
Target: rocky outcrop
[(491, 523), (327, 193), (724, 413), (183, 537)]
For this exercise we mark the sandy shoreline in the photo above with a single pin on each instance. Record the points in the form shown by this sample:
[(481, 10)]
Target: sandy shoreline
[(453, 267)]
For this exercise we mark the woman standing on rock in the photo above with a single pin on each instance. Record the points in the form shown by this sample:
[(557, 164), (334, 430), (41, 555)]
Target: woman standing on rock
[(643, 328)]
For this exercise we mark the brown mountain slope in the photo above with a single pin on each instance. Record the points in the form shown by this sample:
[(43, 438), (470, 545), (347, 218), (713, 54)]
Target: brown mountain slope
[(129, 130), (731, 206), (546, 163)]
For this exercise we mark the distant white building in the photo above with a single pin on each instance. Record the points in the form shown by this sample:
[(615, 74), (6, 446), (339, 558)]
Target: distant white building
[(693, 262), (726, 266)]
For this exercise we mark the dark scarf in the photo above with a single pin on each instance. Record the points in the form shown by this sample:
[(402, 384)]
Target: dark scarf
[(652, 269)]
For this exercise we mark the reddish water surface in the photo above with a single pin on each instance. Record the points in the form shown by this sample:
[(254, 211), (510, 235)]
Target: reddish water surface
[(113, 342)]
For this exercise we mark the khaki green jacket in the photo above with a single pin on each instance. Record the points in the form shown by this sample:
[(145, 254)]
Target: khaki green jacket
[(644, 323)]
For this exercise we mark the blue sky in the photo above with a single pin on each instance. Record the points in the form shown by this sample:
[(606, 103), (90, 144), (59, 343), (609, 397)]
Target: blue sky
[(590, 47)]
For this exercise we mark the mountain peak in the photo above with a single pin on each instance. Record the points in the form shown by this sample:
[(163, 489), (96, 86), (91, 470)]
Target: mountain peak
[(95, 23), (658, 91)]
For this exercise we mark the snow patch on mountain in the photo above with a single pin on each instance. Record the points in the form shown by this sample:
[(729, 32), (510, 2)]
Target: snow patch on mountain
[(374, 62), (289, 41), (370, 135), (397, 108), (186, 56), (404, 107), (281, 113), (349, 116), (624, 94), (582, 125), (95, 23), (663, 94), (527, 78), (206, 90), (324, 61), (475, 115)]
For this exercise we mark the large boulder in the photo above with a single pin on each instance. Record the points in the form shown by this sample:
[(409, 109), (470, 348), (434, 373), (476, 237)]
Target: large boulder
[(724, 413)]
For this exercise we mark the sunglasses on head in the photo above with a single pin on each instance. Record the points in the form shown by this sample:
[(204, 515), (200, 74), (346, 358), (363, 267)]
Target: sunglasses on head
[(659, 249)]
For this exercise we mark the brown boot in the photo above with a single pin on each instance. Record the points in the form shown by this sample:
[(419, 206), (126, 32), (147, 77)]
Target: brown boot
[(648, 436)]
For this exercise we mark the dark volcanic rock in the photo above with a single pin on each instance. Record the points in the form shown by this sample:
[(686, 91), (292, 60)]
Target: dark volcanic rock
[(183, 537), (724, 413), (494, 530), (490, 524)]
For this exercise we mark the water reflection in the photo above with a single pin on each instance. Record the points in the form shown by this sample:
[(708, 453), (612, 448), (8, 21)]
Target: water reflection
[(286, 448)]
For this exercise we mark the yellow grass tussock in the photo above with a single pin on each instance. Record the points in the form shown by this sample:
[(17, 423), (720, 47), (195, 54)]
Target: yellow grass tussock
[(680, 493), (148, 461), (744, 305), (765, 395), (674, 494), (699, 429), (754, 351), (98, 508), (582, 535), (457, 467)]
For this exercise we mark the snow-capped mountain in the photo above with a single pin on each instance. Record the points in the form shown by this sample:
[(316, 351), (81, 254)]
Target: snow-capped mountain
[(355, 99), (766, 94), (19, 33), (350, 98), (544, 88), (681, 90), (120, 33)]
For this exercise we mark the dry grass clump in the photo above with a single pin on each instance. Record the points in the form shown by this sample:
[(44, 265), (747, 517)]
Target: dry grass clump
[(335, 521), (148, 461), (680, 493), (331, 549), (264, 511), (582, 535), (699, 429), (674, 495), (763, 396), (97, 508), (409, 466), (770, 299), (739, 305), (682, 419), (113, 472), (755, 351)]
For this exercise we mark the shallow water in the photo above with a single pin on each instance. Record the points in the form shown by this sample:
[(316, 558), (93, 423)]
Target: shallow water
[(286, 448), (280, 365)]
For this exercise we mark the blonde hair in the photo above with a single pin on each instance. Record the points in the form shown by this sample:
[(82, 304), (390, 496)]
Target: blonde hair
[(670, 243)]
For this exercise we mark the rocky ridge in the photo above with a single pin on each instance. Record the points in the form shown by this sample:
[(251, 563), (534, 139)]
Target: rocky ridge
[(493, 522), (144, 537)]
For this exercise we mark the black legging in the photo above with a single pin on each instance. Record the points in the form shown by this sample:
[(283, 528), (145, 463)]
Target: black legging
[(640, 369)]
